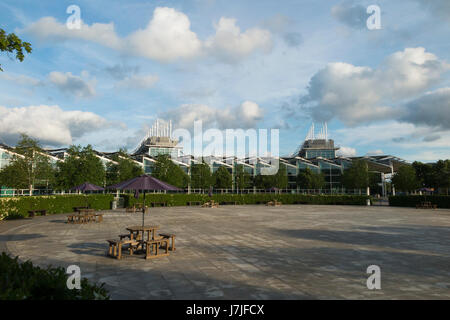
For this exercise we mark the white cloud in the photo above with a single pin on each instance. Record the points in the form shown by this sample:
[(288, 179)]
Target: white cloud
[(48, 28), (74, 85), (346, 152), (356, 95), (230, 44), (244, 116), (138, 82), (431, 109), (49, 124), (167, 37), (21, 79), (377, 152)]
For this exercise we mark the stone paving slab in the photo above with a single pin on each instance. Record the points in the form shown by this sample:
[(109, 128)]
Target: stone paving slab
[(254, 252)]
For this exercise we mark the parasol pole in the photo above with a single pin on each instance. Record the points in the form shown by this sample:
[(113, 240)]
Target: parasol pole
[(143, 211)]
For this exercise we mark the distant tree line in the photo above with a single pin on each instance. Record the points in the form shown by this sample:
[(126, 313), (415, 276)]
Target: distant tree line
[(31, 168)]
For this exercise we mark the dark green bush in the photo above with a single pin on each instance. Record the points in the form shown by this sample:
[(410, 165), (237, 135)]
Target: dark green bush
[(183, 199), (18, 207), (412, 201), (23, 281)]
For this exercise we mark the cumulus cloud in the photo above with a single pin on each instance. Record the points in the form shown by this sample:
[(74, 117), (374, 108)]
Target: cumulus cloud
[(167, 37), (244, 116), (346, 152), (431, 109), (230, 44), (350, 14), (356, 95), (49, 124), (72, 84), (138, 82)]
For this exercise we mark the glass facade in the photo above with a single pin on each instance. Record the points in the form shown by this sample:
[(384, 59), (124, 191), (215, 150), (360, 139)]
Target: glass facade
[(156, 151), (5, 158), (325, 153)]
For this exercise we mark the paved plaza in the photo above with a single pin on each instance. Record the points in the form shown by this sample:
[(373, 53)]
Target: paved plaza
[(254, 252)]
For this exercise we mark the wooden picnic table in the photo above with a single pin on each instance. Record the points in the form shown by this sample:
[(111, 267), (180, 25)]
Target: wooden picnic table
[(141, 230)]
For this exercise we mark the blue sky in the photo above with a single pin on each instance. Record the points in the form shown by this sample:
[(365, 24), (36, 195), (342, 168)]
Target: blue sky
[(232, 64)]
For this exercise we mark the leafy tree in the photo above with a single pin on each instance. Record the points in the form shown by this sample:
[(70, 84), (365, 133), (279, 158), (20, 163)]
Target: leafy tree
[(82, 165), (424, 174), (441, 173), (357, 176), (222, 178), (201, 177), (10, 43), (165, 170), (308, 179), (242, 179), (124, 168), (30, 168), (278, 180), (405, 178)]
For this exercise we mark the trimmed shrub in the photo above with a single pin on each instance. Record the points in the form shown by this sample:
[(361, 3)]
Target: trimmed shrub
[(23, 281), (183, 199), (18, 207), (412, 201)]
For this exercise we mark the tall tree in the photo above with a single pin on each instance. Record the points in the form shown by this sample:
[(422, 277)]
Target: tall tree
[(124, 168), (30, 168), (357, 176), (222, 178), (242, 179), (82, 165), (10, 43), (278, 180), (308, 179), (424, 174), (441, 173), (201, 177), (405, 179), (165, 170)]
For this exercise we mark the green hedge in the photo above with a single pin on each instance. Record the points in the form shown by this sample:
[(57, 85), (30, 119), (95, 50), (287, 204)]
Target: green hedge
[(411, 201), (17, 207), (23, 281), (183, 199)]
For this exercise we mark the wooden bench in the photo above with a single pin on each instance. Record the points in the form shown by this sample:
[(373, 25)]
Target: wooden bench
[(273, 203), (161, 204), (426, 205), (116, 247), (32, 213), (195, 203), (152, 246), (131, 209), (170, 236), (77, 209), (210, 204)]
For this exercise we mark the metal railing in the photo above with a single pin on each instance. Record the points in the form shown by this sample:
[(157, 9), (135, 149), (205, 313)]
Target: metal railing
[(43, 192)]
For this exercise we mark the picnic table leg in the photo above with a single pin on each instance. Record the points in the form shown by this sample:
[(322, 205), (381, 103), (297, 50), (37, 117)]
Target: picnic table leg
[(120, 251)]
